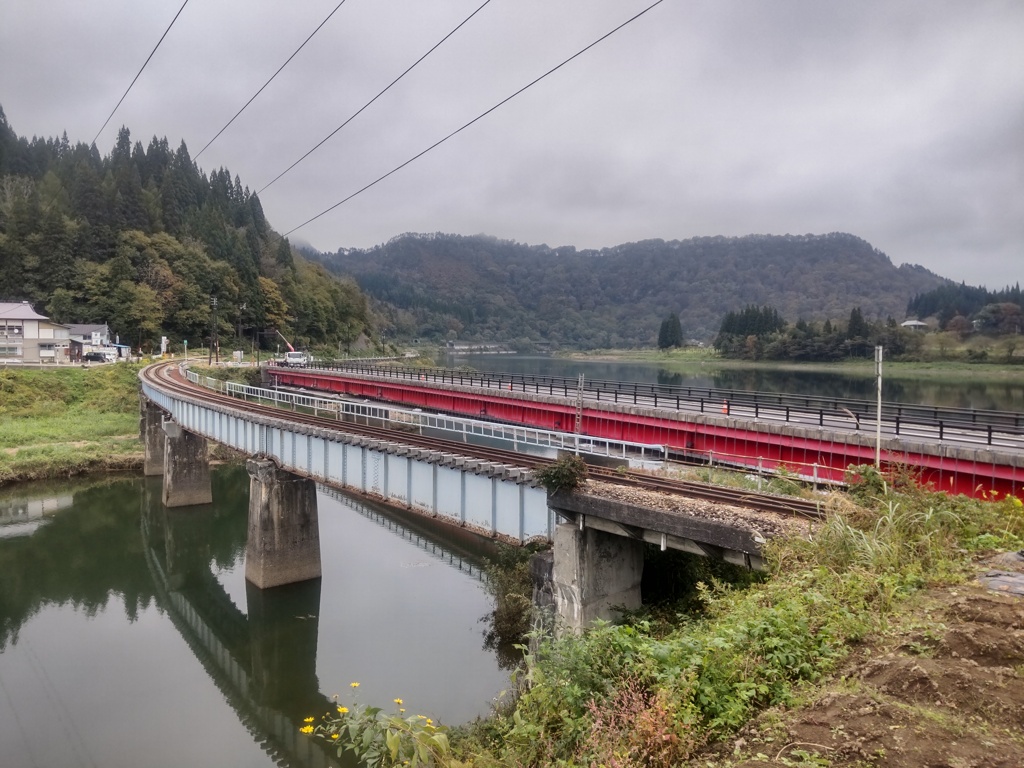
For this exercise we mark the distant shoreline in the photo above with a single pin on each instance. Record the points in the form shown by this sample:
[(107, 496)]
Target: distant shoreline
[(700, 360)]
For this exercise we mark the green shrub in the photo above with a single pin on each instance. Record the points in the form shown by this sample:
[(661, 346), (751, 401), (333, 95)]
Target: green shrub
[(566, 474), (627, 696), (509, 583)]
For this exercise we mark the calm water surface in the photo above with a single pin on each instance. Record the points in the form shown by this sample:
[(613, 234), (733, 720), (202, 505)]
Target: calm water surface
[(989, 395), (128, 636)]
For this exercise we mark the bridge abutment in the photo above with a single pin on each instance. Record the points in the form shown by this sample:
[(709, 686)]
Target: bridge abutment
[(151, 419), (186, 469), (283, 545), (592, 572)]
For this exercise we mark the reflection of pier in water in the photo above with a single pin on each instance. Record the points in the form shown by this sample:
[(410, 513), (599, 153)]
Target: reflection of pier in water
[(264, 663)]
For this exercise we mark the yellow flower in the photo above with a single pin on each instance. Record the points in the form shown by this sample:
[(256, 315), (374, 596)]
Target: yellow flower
[(306, 729), (334, 735), (353, 685), (422, 717), (398, 701), (402, 711), (429, 721), (308, 720), (342, 710)]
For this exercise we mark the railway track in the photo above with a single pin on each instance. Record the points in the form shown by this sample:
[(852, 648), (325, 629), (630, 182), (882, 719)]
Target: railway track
[(167, 375)]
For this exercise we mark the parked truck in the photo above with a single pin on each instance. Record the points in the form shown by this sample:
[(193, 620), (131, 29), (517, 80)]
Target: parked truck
[(295, 359), (292, 358)]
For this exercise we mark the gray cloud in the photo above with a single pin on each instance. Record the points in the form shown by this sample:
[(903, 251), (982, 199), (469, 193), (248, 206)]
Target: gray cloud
[(898, 122)]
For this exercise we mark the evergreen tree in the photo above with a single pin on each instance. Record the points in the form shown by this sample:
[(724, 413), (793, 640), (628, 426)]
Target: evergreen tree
[(857, 327), (671, 333)]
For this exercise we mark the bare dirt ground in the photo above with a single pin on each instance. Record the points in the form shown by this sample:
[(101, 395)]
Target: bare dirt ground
[(943, 690)]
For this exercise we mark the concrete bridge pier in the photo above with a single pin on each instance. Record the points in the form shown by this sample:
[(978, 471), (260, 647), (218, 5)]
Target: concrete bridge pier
[(283, 545), (186, 469), (151, 419), (592, 571)]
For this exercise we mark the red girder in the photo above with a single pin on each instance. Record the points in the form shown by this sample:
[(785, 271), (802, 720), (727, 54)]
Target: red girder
[(826, 458)]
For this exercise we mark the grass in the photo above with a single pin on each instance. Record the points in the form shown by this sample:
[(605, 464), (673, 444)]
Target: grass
[(627, 696), (944, 355), (64, 421)]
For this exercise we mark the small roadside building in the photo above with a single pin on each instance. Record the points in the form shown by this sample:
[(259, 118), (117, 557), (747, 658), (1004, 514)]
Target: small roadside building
[(86, 338), (29, 337)]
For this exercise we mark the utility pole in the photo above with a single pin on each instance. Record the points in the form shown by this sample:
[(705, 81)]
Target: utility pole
[(579, 406), (241, 309), (214, 340), (878, 415)]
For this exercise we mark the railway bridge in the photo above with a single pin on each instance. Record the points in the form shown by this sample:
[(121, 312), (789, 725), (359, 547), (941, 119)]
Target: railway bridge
[(957, 450), (598, 543)]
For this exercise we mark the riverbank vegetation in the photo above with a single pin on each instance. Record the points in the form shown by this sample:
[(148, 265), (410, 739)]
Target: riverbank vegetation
[(760, 333), (640, 694), (66, 421), (942, 356)]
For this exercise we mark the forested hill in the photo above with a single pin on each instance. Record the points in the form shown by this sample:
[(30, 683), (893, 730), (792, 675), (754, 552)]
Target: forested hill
[(142, 239), (483, 288)]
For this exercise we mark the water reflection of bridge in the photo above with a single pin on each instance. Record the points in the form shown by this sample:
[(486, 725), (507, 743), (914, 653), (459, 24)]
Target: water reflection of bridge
[(412, 528), (263, 663), (263, 658)]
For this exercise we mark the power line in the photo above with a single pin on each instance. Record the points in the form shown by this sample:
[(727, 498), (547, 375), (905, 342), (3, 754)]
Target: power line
[(144, 65), (250, 101), (140, 71), (357, 113), (474, 120)]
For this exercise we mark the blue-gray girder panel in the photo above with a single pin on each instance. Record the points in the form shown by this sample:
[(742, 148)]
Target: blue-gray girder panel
[(487, 497)]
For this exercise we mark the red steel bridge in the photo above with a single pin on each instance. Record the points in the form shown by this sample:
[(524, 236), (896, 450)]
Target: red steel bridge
[(977, 453)]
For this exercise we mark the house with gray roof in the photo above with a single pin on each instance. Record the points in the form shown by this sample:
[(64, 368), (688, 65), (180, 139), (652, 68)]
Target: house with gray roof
[(29, 337)]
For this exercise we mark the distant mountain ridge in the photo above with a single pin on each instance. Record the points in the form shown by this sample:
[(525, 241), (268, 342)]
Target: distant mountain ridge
[(481, 288)]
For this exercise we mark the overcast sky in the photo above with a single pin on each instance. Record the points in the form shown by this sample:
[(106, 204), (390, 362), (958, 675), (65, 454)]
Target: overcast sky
[(900, 121)]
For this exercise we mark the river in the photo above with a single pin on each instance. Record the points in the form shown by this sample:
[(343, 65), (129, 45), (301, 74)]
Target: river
[(963, 392), (128, 636)]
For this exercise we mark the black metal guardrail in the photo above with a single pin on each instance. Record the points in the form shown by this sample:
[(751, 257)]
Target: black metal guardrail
[(713, 399)]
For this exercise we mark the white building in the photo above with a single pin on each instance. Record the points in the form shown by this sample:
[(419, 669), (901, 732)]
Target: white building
[(28, 337), (914, 325)]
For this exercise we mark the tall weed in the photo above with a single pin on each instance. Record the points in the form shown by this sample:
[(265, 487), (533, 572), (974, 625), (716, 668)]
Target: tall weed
[(750, 648)]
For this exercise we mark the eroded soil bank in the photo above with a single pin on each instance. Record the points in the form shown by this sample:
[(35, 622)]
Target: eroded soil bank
[(945, 690)]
